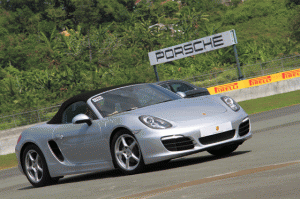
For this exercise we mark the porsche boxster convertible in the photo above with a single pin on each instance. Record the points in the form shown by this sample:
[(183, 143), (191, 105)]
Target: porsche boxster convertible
[(127, 127)]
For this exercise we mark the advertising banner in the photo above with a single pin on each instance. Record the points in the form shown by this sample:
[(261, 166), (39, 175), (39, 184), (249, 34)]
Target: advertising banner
[(254, 81), (198, 46)]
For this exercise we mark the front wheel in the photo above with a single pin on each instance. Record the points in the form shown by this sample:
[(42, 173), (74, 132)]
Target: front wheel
[(126, 153), (225, 150), (35, 167)]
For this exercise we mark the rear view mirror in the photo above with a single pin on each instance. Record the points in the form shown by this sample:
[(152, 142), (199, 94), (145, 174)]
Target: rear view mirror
[(182, 94), (82, 118)]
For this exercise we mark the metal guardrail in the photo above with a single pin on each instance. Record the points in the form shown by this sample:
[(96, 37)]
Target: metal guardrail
[(248, 71), (29, 117), (205, 80)]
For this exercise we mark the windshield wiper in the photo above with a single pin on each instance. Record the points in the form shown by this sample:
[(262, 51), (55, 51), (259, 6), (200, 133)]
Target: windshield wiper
[(113, 113), (133, 108), (164, 101)]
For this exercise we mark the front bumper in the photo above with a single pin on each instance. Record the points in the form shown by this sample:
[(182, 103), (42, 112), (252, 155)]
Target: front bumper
[(17, 151), (159, 145)]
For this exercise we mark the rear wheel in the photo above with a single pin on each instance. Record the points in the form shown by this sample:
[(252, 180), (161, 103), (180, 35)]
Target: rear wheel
[(35, 167), (225, 150), (126, 153)]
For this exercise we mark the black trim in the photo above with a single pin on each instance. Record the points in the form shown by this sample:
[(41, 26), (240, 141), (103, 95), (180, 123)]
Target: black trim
[(88, 121), (217, 137), (244, 128), (55, 149), (178, 144)]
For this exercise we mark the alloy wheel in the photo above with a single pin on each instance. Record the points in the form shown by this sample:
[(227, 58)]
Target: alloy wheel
[(34, 166), (127, 152)]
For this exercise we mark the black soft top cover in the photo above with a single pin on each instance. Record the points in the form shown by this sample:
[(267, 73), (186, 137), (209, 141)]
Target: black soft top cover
[(81, 97)]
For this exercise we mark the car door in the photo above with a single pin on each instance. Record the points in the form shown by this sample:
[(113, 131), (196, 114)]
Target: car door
[(79, 143)]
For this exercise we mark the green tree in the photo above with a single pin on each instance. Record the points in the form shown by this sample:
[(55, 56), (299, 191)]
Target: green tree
[(291, 3), (294, 24), (35, 6), (170, 8), (203, 5), (55, 15)]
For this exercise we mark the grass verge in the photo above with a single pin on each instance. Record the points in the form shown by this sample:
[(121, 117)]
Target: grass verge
[(8, 161), (250, 106), (271, 102)]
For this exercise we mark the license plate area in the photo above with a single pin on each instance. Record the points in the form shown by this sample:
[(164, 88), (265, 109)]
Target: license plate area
[(215, 129)]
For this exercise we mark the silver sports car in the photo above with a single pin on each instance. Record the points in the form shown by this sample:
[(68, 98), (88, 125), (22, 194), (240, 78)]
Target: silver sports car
[(127, 127)]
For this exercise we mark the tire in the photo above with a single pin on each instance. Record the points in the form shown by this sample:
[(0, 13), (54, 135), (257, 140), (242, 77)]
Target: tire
[(35, 167), (222, 151), (126, 153)]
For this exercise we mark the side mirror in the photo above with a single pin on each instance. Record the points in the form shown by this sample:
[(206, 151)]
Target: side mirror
[(82, 118), (182, 94)]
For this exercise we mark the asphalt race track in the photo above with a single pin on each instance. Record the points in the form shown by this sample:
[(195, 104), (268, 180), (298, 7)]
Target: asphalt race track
[(266, 166)]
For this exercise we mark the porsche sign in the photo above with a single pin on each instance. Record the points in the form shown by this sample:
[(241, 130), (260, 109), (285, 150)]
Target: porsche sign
[(194, 47)]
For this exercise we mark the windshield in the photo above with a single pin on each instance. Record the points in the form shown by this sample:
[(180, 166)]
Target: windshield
[(131, 98)]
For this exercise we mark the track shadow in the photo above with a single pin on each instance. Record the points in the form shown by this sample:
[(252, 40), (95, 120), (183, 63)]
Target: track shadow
[(176, 163), (187, 161)]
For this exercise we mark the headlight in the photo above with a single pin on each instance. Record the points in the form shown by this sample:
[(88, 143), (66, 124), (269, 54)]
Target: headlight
[(231, 103), (154, 122)]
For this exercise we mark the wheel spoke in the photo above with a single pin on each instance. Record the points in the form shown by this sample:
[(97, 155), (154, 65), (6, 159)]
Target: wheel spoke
[(135, 158), (127, 163), (40, 168), (29, 168), (30, 157), (118, 153), (124, 142), (132, 144), (36, 176)]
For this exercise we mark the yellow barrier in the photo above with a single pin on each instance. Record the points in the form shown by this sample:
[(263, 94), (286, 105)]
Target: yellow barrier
[(254, 82)]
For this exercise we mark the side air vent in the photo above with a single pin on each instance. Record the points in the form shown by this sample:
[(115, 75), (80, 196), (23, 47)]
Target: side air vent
[(56, 151)]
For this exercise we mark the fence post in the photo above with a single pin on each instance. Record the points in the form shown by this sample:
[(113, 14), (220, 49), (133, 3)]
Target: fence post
[(216, 77), (241, 77), (245, 77), (14, 119), (37, 109), (156, 74)]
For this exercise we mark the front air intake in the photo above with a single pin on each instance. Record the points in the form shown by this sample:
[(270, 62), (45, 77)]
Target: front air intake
[(244, 128), (217, 137), (178, 143)]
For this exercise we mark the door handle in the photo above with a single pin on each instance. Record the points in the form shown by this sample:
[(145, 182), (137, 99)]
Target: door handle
[(59, 136)]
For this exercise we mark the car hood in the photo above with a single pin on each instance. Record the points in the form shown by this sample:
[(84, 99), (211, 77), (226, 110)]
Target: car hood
[(183, 109)]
